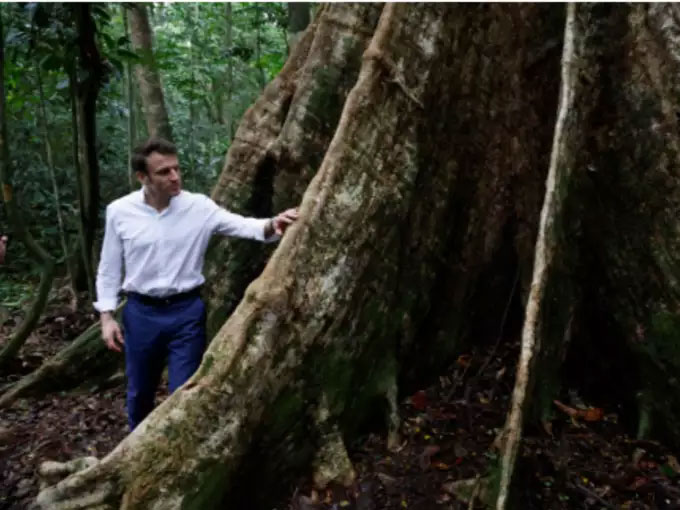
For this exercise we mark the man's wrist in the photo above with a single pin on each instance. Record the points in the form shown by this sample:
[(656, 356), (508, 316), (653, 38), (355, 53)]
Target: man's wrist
[(106, 316), (269, 228)]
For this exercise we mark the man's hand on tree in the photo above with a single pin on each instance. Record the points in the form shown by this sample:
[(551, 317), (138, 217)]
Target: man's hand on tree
[(3, 248), (282, 221), (113, 337)]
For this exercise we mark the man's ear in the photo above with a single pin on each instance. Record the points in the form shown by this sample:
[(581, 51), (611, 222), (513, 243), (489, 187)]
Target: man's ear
[(142, 177)]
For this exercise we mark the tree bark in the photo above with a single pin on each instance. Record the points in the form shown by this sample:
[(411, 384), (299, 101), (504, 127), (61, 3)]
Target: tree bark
[(280, 143), (148, 78), (437, 159)]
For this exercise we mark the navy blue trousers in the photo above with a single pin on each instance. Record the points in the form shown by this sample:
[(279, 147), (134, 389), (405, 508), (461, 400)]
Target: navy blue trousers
[(155, 333)]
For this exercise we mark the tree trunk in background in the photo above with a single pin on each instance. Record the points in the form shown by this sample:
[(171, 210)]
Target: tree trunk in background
[(420, 147), (130, 97), (194, 20), (148, 78), (228, 117), (86, 93), (298, 20), (49, 156), (261, 79), (47, 264)]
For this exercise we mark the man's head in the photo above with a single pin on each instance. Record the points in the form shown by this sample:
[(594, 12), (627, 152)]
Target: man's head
[(156, 165)]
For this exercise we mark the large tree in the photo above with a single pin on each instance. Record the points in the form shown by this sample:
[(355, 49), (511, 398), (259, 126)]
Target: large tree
[(442, 152)]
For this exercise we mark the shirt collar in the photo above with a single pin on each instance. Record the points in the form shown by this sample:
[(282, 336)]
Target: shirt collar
[(174, 201)]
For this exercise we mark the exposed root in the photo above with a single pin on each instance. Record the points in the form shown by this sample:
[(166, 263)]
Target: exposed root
[(331, 463), (51, 472), (645, 415), (393, 421), (471, 490)]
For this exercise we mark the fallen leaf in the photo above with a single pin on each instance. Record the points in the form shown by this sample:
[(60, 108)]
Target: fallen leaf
[(464, 360), (637, 483), (419, 400)]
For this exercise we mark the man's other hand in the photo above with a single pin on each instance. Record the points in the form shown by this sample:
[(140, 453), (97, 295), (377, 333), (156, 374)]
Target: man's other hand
[(3, 248), (113, 337), (283, 220)]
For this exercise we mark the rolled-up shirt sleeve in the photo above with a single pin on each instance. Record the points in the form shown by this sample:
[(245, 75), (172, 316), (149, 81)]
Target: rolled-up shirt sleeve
[(110, 270), (227, 223)]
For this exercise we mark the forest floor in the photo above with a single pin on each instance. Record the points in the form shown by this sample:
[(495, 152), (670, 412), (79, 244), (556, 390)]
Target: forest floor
[(448, 430)]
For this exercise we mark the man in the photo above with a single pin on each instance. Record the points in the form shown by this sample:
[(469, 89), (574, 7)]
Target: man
[(159, 235)]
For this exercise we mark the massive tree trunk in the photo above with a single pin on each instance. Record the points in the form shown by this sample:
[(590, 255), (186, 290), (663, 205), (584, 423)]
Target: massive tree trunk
[(148, 78), (468, 145)]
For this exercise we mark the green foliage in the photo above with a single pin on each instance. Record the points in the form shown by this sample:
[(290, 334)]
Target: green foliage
[(208, 84)]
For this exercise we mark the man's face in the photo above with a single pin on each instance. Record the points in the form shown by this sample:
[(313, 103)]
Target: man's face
[(163, 175)]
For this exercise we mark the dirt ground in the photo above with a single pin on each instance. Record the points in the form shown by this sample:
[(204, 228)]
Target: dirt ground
[(445, 457)]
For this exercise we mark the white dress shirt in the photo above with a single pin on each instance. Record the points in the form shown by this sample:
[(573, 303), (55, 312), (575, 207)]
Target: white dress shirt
[(162, 252)]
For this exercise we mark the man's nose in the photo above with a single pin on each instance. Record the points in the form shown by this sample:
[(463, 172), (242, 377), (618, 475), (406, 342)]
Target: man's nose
[(174, 175)]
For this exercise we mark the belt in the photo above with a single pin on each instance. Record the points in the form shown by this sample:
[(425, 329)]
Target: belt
[(167, 300)]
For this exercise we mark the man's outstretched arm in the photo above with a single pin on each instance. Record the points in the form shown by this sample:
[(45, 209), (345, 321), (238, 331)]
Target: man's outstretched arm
[(228, 223)]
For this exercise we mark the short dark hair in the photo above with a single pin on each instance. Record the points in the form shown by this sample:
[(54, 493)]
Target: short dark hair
[(142, 151)]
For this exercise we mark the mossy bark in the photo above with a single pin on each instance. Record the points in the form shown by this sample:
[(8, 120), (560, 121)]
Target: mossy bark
[(630, 203), (281, 141)]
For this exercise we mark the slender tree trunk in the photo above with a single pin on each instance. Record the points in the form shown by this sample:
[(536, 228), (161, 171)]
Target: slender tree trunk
[(47, 263), (261, 79), (192, 102), (148, 78), (564, 150), (229, 43), (55, 189), (131, 103), (84, 272)]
